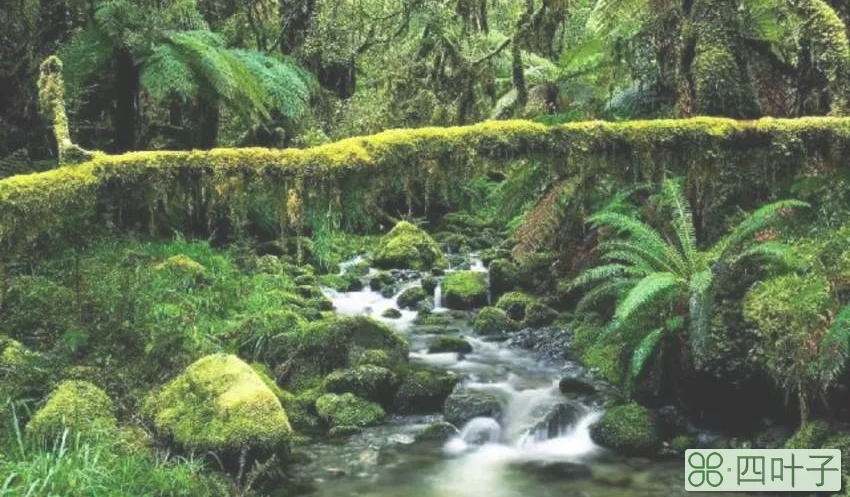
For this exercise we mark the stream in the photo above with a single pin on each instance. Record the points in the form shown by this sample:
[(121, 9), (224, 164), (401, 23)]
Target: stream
[(538, 446)]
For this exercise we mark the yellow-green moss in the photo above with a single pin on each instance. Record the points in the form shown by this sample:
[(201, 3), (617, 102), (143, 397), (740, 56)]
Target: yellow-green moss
[(629, 428), (407, 247), (75, 405), (51, 95), (492, 320), (219, 402), (354, 176), (515, 304), (348, 410), (464, 290)]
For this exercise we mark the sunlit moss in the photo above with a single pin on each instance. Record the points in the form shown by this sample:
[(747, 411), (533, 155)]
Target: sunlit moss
[(75, 405)]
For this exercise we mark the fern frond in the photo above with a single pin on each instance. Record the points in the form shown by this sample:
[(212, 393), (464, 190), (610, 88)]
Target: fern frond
[(834, 350), (639, 265), (641, 355), (647, 292), (700, 306), (166, 74), (84, 56), (599, 273), (288, 86), (644, 235), (683, 221), (640, 253), (610, 288), (623, 17), (755, 222), (773, 251)]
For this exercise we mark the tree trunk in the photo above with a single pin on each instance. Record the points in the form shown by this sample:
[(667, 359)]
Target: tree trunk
[(804, 405), (208, 131), (295, 17), (126, 102)]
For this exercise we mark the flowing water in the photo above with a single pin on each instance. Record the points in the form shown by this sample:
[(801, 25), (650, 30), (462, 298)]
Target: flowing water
[(527, 452)]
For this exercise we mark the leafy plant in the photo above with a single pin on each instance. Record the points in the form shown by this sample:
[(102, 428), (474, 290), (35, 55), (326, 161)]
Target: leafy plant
[(660, 274)]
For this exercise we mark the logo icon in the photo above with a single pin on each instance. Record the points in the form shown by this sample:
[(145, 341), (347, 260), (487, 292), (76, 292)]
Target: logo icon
[(705, 469)]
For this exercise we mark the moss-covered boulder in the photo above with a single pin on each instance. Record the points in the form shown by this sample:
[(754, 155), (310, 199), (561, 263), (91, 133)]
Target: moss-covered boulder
[(410, 297), (429, 284), (375, 357), (407, 247), (515, 304), (348, 410), (76, 405), (449, 343), (629, 429), (341, 282), (219, 403), (371, 382), (464, 290), (466, 403), (423, 391), (503, 277), (492, 320), (538, 314), (331, 344), (381, 280), (391, 313)]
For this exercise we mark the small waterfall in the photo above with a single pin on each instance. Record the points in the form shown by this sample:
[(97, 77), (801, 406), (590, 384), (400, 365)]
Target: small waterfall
[(438, 297)]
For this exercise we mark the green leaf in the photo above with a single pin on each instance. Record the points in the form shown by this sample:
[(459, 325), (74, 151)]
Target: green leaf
[(700, 305), (640, 357), (755, 222), (834, 350), (647, 292)]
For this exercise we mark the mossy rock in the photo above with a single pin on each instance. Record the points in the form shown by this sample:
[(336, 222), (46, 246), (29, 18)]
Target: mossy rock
[(306, 280), (344, 431), (503, 277), (407, 247), (432, 320), (348, 410), (429, 284), (538, 315), (630, 429), (492, 320), (321, 303), (309, 291), (370, 382), (449, 343), (410, 297), (76, 405), (219, 403), (464, 290), (382, 279), (331, 344), (423, 391), (438, 431), (391, 313), (515, 304), (341, 283), (375, 357)]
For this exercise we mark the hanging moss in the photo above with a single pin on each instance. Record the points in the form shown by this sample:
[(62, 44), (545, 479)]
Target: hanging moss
[(202, 191)]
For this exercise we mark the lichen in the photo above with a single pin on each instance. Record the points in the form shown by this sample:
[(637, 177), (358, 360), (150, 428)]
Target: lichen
[(219, 403)]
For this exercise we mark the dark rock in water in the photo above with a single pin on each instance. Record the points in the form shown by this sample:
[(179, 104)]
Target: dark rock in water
[(577, 386), (437, 272), (555, 470), (439, 431), (449, 343), (424, 307), (405, 274), (388, 291), (465, 404), (391, 313), (423, 392), (410, 297), (557, 420), (336, 472), (503, 277), (538, 314), (381, 280), (550, 344), (368, 381)]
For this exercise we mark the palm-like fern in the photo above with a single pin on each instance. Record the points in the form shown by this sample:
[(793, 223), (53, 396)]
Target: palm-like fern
[(652, 272)]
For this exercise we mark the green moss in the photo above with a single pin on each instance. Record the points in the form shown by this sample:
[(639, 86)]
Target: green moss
[(681, 443), (265, 375), (810, 436), (492, 320), (51, 95), (219, 403), (410, 297), (371, 382), (515, 304), (375, 357), (630, 429), (37, 311), (348, 410), (341, 283), (538, 315), (391, 313), (424, 391), (606, 360), (449, 343), (380, 280), (464, 290), (77, 405), (407, 247), (504, 277)]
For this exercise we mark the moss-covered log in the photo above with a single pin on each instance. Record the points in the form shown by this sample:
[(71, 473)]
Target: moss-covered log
[(723, 160)]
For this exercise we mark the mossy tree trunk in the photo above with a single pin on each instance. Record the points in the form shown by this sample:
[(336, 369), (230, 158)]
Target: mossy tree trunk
[(295, 17)]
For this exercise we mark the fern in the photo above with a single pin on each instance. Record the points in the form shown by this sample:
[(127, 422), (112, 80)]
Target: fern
[(640, 357), (683, 221), (643, 235), (699, 307), (288, 86), (835, 350), (755, 222), (646, 292)]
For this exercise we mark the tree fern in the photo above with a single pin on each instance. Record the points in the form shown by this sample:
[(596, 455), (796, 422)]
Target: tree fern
[(288, 86)]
